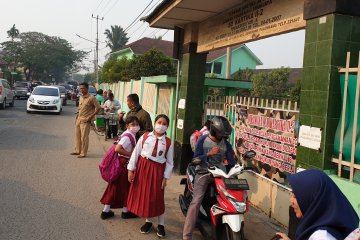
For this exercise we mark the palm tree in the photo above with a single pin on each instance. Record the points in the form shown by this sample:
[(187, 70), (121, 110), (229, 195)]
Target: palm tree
[(13, 32), (116, 38)]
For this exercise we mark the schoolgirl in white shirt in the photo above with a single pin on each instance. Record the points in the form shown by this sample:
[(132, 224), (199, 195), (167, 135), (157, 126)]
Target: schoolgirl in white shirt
[(150, 167), (116, 193)]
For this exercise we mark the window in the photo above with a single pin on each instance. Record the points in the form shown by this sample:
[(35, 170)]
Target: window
[(208, 68), (217, 67)]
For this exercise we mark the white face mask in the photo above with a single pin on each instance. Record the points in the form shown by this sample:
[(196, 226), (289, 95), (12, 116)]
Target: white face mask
[(161, 129), (134, 130)]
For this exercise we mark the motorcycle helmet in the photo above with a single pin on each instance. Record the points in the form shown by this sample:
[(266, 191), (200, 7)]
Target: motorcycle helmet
[(221, 126)]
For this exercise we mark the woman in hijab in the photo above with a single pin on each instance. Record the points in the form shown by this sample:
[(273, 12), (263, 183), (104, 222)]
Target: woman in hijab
[(325, 212)]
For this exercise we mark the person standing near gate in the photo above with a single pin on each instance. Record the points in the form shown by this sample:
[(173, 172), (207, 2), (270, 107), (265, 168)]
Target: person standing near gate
[(88, 107), (137, 111)]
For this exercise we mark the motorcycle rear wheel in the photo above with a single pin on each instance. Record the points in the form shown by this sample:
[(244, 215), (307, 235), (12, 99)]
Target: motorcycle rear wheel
[(231, 235)]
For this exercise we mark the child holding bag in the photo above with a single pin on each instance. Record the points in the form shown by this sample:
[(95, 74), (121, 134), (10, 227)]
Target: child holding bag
[(116, 193), (149, 168)]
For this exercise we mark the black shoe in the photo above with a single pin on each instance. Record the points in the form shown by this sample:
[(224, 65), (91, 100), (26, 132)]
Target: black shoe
[(161, 231), (106, 215), (127, 215), (146, 227)]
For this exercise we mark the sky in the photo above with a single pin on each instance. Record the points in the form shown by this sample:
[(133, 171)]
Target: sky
[(66, 18)]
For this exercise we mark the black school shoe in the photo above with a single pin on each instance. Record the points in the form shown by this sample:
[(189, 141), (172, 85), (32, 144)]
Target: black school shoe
[(106, 215), (161, 231), (146, 227), (127, 215)]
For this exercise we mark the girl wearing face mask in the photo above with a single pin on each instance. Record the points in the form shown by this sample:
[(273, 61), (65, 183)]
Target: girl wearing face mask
[(149, 169), (116, 193)]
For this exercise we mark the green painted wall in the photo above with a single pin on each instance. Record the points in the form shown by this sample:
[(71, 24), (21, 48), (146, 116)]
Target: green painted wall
[(350, 190), (326, 45), (240, 58)]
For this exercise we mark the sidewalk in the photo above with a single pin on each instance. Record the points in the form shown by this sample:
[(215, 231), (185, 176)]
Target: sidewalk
[(258, 226)]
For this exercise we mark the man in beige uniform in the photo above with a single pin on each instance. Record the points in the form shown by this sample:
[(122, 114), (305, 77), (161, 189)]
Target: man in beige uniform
[(88, 107)]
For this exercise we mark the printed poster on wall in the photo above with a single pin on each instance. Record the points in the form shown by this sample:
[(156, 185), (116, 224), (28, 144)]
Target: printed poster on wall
[(272, 134)]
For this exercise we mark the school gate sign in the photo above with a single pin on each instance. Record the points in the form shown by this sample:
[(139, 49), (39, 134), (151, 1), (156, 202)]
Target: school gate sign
[(332, 28)]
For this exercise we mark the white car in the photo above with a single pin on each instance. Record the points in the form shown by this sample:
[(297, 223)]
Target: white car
[(45, 99), (7, 95)]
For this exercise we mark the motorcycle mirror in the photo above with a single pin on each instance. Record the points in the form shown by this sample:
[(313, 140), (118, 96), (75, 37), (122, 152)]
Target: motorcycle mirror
[(249, 154), (196, 161)]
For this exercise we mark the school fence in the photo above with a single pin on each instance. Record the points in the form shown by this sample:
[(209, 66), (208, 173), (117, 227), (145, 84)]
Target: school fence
[(347, 142)]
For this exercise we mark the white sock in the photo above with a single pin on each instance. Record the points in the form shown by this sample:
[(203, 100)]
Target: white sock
[(147, 220), (125, 210), (106, 208), (161, 219)]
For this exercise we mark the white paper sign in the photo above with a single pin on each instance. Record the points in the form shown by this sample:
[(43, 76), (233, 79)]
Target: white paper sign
[(180, 124), (310, 137), (181, 104)]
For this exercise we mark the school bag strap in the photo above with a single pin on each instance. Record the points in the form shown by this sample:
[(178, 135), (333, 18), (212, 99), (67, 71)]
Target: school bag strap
[(132, 139), (168, 141)]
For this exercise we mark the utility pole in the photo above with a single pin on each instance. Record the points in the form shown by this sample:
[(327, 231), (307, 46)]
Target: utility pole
[(97, 47)]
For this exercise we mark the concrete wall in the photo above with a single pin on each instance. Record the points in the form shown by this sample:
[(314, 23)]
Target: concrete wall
[(269, 196)]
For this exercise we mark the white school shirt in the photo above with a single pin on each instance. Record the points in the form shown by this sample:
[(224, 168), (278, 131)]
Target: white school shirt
[(115, 103), (125, 142), (321, 235), (147, 150)]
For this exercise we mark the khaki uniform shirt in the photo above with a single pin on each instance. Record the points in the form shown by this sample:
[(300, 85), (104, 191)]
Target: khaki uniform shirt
[(87, 105)]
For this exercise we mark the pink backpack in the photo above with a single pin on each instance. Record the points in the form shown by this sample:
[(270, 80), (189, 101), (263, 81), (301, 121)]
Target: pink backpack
[(194, 138), (110, 167)]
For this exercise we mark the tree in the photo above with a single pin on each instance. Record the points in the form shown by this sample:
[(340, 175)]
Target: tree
[(271, 85), (43, 57), (116, 38), (294, 92), (151, 63), (13, 33), (243, 74)]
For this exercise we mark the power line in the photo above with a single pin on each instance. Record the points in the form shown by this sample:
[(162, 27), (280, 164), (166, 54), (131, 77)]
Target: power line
[(98, 6), (143, 23), (112, 7), (105, 6), (138, 16)]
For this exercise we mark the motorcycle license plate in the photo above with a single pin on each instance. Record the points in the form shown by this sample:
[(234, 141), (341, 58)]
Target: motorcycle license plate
[(112, 122), (236, 184)]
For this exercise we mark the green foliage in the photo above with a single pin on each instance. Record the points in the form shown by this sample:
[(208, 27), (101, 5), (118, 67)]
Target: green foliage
[(116, 38), (17, 77), (211, 75), (271, 85), (43, 57), (151, 63), (13, 33), (243, 75), (294, 92)]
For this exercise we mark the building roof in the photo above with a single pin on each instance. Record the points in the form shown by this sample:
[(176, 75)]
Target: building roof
[(142, 45), (213, 55)]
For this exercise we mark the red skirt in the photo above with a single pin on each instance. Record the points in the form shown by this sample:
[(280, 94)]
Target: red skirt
[(116, 193), (146, 198)]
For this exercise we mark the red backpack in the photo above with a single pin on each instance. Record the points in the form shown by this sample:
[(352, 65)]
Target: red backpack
[(110, 166), (168, 142), (194, 138)]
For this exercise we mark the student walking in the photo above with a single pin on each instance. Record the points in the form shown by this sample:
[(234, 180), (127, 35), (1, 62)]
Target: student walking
[(116, 193), (149, 168)]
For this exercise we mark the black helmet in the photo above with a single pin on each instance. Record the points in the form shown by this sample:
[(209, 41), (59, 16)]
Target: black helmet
[(221, 126)]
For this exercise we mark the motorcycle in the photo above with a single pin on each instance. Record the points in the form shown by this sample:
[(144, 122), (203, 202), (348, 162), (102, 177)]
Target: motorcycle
[(225, 200)]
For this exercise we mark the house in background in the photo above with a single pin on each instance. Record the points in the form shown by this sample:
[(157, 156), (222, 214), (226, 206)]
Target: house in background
[(139, 47), (241, 58)]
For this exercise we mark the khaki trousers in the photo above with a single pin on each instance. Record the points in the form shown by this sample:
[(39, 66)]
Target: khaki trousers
[(82, 130)]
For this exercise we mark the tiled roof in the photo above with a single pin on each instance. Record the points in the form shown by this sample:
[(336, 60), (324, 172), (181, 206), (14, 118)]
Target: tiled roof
[(144, 44)]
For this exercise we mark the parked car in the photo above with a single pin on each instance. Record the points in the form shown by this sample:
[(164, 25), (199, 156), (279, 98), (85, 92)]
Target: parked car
[(22, 89), (45, 99), (7, 95), (68, 88), (92, 91), (63, 94)]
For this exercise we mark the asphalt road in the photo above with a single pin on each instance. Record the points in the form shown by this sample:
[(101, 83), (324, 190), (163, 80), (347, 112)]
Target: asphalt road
[(47, 194)]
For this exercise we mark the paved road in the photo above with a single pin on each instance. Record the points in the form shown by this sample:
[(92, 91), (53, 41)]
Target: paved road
[(48, 194)]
